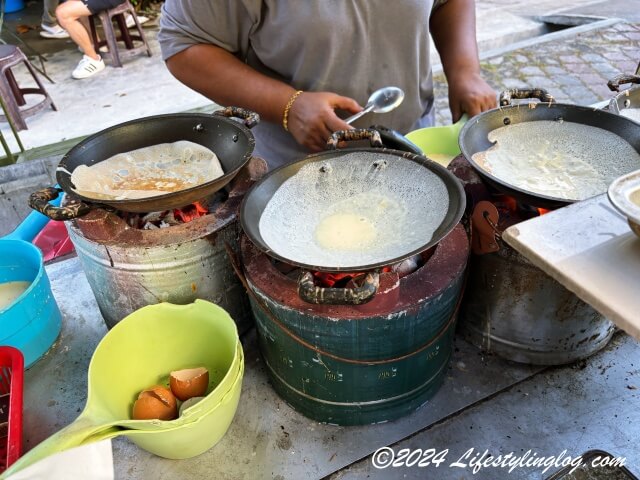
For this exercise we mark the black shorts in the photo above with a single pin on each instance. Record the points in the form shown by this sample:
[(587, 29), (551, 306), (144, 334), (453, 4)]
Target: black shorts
[(97, 6)]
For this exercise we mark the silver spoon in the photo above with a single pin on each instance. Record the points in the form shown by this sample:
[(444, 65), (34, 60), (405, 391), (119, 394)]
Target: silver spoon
[(381, 101)]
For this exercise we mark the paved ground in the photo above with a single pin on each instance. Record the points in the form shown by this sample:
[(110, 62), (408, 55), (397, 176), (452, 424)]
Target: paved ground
[(574, 70)]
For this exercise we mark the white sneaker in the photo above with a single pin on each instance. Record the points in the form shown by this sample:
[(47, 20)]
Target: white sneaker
[(131, 22), (53, 32), (87, 67)]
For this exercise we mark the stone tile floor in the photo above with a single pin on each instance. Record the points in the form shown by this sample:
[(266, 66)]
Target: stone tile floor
[(574, 70)]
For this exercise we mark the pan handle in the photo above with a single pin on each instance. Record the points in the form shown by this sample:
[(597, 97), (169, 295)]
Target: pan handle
[(615, 82), (251, 119), (39, 201), (522, 93), (354, 135), (308, 291)]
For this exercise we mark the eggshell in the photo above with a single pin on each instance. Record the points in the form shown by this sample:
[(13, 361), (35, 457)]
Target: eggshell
[(189, 403), (155, 403), (191, 382)]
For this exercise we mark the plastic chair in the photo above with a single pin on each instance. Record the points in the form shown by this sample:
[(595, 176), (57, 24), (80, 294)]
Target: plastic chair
[(106, 18), (13, 94)]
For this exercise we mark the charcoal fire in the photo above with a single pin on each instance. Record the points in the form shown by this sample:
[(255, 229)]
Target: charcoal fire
[(164, 219)]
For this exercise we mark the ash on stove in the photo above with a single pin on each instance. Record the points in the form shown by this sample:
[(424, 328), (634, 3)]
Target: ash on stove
[(176, 216)]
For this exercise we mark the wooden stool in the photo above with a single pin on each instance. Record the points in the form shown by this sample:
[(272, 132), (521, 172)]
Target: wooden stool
[(13, 94), (111, 41)]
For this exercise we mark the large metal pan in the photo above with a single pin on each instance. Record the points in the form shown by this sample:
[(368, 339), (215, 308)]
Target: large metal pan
[(230, 140), (428, 196), (474, 135), (626, 100)]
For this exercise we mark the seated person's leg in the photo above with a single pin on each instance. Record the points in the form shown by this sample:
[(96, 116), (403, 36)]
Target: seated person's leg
[(49, 26), (69, 15)]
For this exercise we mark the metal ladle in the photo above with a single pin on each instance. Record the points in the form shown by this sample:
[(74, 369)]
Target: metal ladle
[(381, 101)]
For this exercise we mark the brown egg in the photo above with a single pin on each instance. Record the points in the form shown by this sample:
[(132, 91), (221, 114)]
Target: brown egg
[(155, 403), (191, 382)]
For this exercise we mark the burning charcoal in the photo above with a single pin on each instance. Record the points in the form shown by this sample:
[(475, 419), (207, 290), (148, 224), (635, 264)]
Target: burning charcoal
[(164, 219), (190, 212)]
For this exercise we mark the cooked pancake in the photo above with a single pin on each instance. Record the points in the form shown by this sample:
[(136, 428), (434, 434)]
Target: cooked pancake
[(148, 172), (564, 160)]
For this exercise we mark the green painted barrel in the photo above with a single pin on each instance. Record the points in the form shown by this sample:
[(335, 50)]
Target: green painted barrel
[(355, 365)]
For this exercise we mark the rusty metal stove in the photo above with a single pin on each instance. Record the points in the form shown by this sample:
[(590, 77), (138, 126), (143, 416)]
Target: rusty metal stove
[(128, 268), (511, 307)]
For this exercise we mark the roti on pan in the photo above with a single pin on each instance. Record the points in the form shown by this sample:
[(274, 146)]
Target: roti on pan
[(148, 172)]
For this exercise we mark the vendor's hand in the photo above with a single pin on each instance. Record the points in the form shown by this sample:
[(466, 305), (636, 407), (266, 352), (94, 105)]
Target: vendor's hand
[(312, 118), (470, 94)]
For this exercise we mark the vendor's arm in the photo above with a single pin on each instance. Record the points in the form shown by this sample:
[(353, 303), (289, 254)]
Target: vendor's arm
[(222, 77), (453, 27)]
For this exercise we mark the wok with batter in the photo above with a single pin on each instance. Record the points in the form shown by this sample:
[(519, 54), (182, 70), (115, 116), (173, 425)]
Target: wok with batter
[(231, 141), (560, 128), (351, 210)]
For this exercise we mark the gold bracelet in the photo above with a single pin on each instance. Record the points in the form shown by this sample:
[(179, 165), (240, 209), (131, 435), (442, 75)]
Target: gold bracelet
[(285, 115)]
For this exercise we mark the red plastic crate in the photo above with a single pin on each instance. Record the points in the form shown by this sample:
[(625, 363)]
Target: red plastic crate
[(11, 383)]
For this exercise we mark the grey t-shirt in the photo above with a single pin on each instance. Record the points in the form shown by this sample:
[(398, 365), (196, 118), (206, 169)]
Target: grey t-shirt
[(349, 47)]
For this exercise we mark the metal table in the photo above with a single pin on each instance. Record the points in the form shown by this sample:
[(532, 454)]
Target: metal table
[(485, 402)]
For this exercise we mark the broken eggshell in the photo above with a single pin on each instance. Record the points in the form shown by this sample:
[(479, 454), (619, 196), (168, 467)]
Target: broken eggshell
[(190, 382), (155, 403), (189, 403)]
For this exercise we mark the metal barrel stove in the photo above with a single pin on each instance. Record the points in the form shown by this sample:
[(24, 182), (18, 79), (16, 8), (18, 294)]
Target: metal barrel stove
[(364, 364), (517, 311), (129, 268)]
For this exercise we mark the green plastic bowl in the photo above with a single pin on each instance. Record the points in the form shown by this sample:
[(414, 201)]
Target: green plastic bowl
[(141, 351), (439, 143), (143, 348)]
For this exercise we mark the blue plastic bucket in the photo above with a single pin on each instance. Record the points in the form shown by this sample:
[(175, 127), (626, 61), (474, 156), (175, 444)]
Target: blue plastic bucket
[(32, 321), (11, 6)]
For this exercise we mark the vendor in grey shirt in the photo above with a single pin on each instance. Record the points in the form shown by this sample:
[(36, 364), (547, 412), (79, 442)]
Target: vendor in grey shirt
[(303, 65)]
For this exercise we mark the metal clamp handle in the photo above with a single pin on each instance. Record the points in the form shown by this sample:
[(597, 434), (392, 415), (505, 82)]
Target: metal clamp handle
[(308, 291), (523, 93), (354, 135), (251, 119), (39, 201), (395, 140), (615, 82)]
